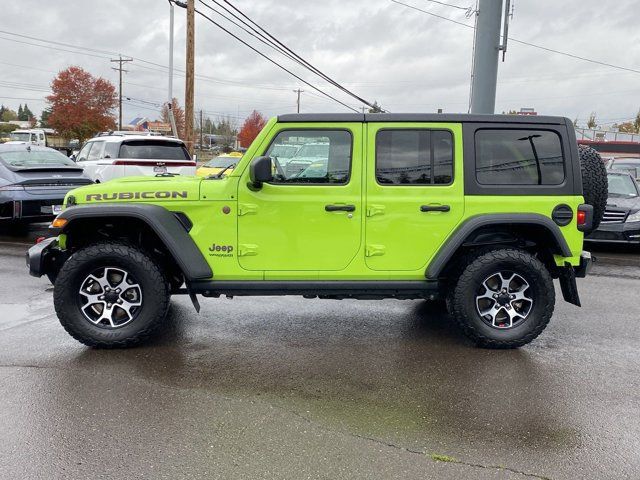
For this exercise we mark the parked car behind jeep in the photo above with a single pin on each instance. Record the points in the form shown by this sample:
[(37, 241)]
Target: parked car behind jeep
[(112, 155), (34, 181)]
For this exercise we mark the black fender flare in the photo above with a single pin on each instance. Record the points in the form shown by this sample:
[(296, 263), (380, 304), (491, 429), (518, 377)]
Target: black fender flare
[(165, 224), (457, 238)]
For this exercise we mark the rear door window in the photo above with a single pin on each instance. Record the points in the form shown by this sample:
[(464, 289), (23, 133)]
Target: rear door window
[(414, 157), (519, 157), (153, 150)]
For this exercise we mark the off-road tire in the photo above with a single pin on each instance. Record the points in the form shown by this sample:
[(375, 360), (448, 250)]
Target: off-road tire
[(462, 301), (153, 283), (594, 182)]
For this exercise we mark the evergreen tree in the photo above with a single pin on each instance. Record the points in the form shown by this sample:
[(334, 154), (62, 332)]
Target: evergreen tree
[(20, 112), (26, 113)]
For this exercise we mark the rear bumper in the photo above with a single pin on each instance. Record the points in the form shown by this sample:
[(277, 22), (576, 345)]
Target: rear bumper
[(627, 232), (20, 205), (586, 262)]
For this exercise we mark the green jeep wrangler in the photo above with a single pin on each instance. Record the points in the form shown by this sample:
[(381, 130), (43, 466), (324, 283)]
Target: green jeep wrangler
[(482, 211)]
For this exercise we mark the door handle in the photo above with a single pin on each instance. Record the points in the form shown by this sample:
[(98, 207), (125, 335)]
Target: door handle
[(340, 208), (435, 208)]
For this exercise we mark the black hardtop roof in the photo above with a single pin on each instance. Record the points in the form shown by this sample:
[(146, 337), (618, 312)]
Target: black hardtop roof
[(419, 117)]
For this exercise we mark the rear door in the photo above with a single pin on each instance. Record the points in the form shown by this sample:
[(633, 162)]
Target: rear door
[(414, 192)]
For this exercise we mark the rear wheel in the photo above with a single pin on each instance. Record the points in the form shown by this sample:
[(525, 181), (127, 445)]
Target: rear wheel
[(111, 295), (503, 299)]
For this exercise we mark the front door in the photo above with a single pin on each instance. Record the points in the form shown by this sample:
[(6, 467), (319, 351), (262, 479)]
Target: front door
[(414, 191), (309, 218)]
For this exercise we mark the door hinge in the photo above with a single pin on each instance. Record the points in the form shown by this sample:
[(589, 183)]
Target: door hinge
[(247, 208), (375, 210), (374, 250), (247, 250)]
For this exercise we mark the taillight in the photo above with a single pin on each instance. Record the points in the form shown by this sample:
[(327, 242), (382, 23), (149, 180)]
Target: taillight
[(39, 239), (142, 163), (584, 217)]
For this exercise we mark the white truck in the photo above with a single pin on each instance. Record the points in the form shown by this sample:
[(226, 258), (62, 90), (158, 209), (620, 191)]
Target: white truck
[(40, 138)]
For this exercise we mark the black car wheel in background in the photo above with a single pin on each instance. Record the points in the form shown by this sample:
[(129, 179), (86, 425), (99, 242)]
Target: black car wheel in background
[(34, 181)]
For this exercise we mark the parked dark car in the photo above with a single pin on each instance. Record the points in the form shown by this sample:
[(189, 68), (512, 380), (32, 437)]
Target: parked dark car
[(621, 220), (34, 181)]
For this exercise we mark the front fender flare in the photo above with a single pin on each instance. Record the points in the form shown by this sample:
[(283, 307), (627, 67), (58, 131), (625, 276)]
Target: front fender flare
[(164, 223)]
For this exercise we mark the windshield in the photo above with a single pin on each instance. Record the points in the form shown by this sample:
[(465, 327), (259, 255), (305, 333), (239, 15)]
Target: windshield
[(622, 185), (19, 136), (153, 150), (626, 165), (221, 162), (35, 158), (318, 150)]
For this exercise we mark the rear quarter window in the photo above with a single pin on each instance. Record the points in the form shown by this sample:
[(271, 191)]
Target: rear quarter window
[(519, 157)]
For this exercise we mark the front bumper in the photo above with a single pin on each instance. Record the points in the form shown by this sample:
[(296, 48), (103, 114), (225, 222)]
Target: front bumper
[(626, 232), (41, 257)]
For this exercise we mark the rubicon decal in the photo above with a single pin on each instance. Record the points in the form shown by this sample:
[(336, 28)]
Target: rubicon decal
[(102, 197), (221, 250)]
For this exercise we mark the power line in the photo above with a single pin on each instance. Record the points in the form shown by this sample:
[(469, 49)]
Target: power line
[(273, 42), (272, 61), (566, 54)]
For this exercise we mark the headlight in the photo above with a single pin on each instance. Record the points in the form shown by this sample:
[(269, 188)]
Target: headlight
[(634, 217)]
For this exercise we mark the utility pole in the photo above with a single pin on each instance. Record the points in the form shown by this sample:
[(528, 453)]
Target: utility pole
[(188, 90), (119, 69), (298, 91), (485, 58)]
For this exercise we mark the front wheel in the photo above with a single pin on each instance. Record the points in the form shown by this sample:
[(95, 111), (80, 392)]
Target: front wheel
[(503, 299), (111, 295)]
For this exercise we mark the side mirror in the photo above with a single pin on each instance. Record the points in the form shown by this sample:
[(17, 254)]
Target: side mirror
[(260, 172), (73, 157)]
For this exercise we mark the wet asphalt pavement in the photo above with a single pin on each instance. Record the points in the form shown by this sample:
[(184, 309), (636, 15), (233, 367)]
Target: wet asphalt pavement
[(292, 388)]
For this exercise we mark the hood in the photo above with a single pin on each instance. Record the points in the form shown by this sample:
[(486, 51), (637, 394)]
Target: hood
[(139, 189)]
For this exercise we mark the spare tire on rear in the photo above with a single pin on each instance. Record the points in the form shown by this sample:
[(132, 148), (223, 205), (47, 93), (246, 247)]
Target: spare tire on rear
[(594, 182)]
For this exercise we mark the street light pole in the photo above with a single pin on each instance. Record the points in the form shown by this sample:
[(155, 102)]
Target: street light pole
[(170, 93)]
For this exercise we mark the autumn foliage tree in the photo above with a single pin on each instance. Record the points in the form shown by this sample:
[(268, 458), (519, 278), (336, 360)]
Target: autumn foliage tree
[(81, 105), (178, 115), (251, 128)]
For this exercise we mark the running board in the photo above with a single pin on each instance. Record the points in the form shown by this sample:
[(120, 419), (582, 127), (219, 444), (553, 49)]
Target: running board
[(403, 289)]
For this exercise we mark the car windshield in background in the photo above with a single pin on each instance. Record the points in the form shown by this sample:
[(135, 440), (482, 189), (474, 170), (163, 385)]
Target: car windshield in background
[(284, 151), (19, 137), (153, 150), (622, 185), (221, 162), (35, 158), (628, 166)]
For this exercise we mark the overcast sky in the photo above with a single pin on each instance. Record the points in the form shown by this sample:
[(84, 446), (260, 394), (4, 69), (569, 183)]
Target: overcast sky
[(406, 60)]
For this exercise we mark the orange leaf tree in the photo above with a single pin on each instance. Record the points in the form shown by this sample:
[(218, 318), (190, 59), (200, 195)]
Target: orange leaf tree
[(251, 128), (81, 105)]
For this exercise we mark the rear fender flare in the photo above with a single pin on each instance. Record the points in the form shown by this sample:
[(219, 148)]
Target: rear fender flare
[(464, 230)]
